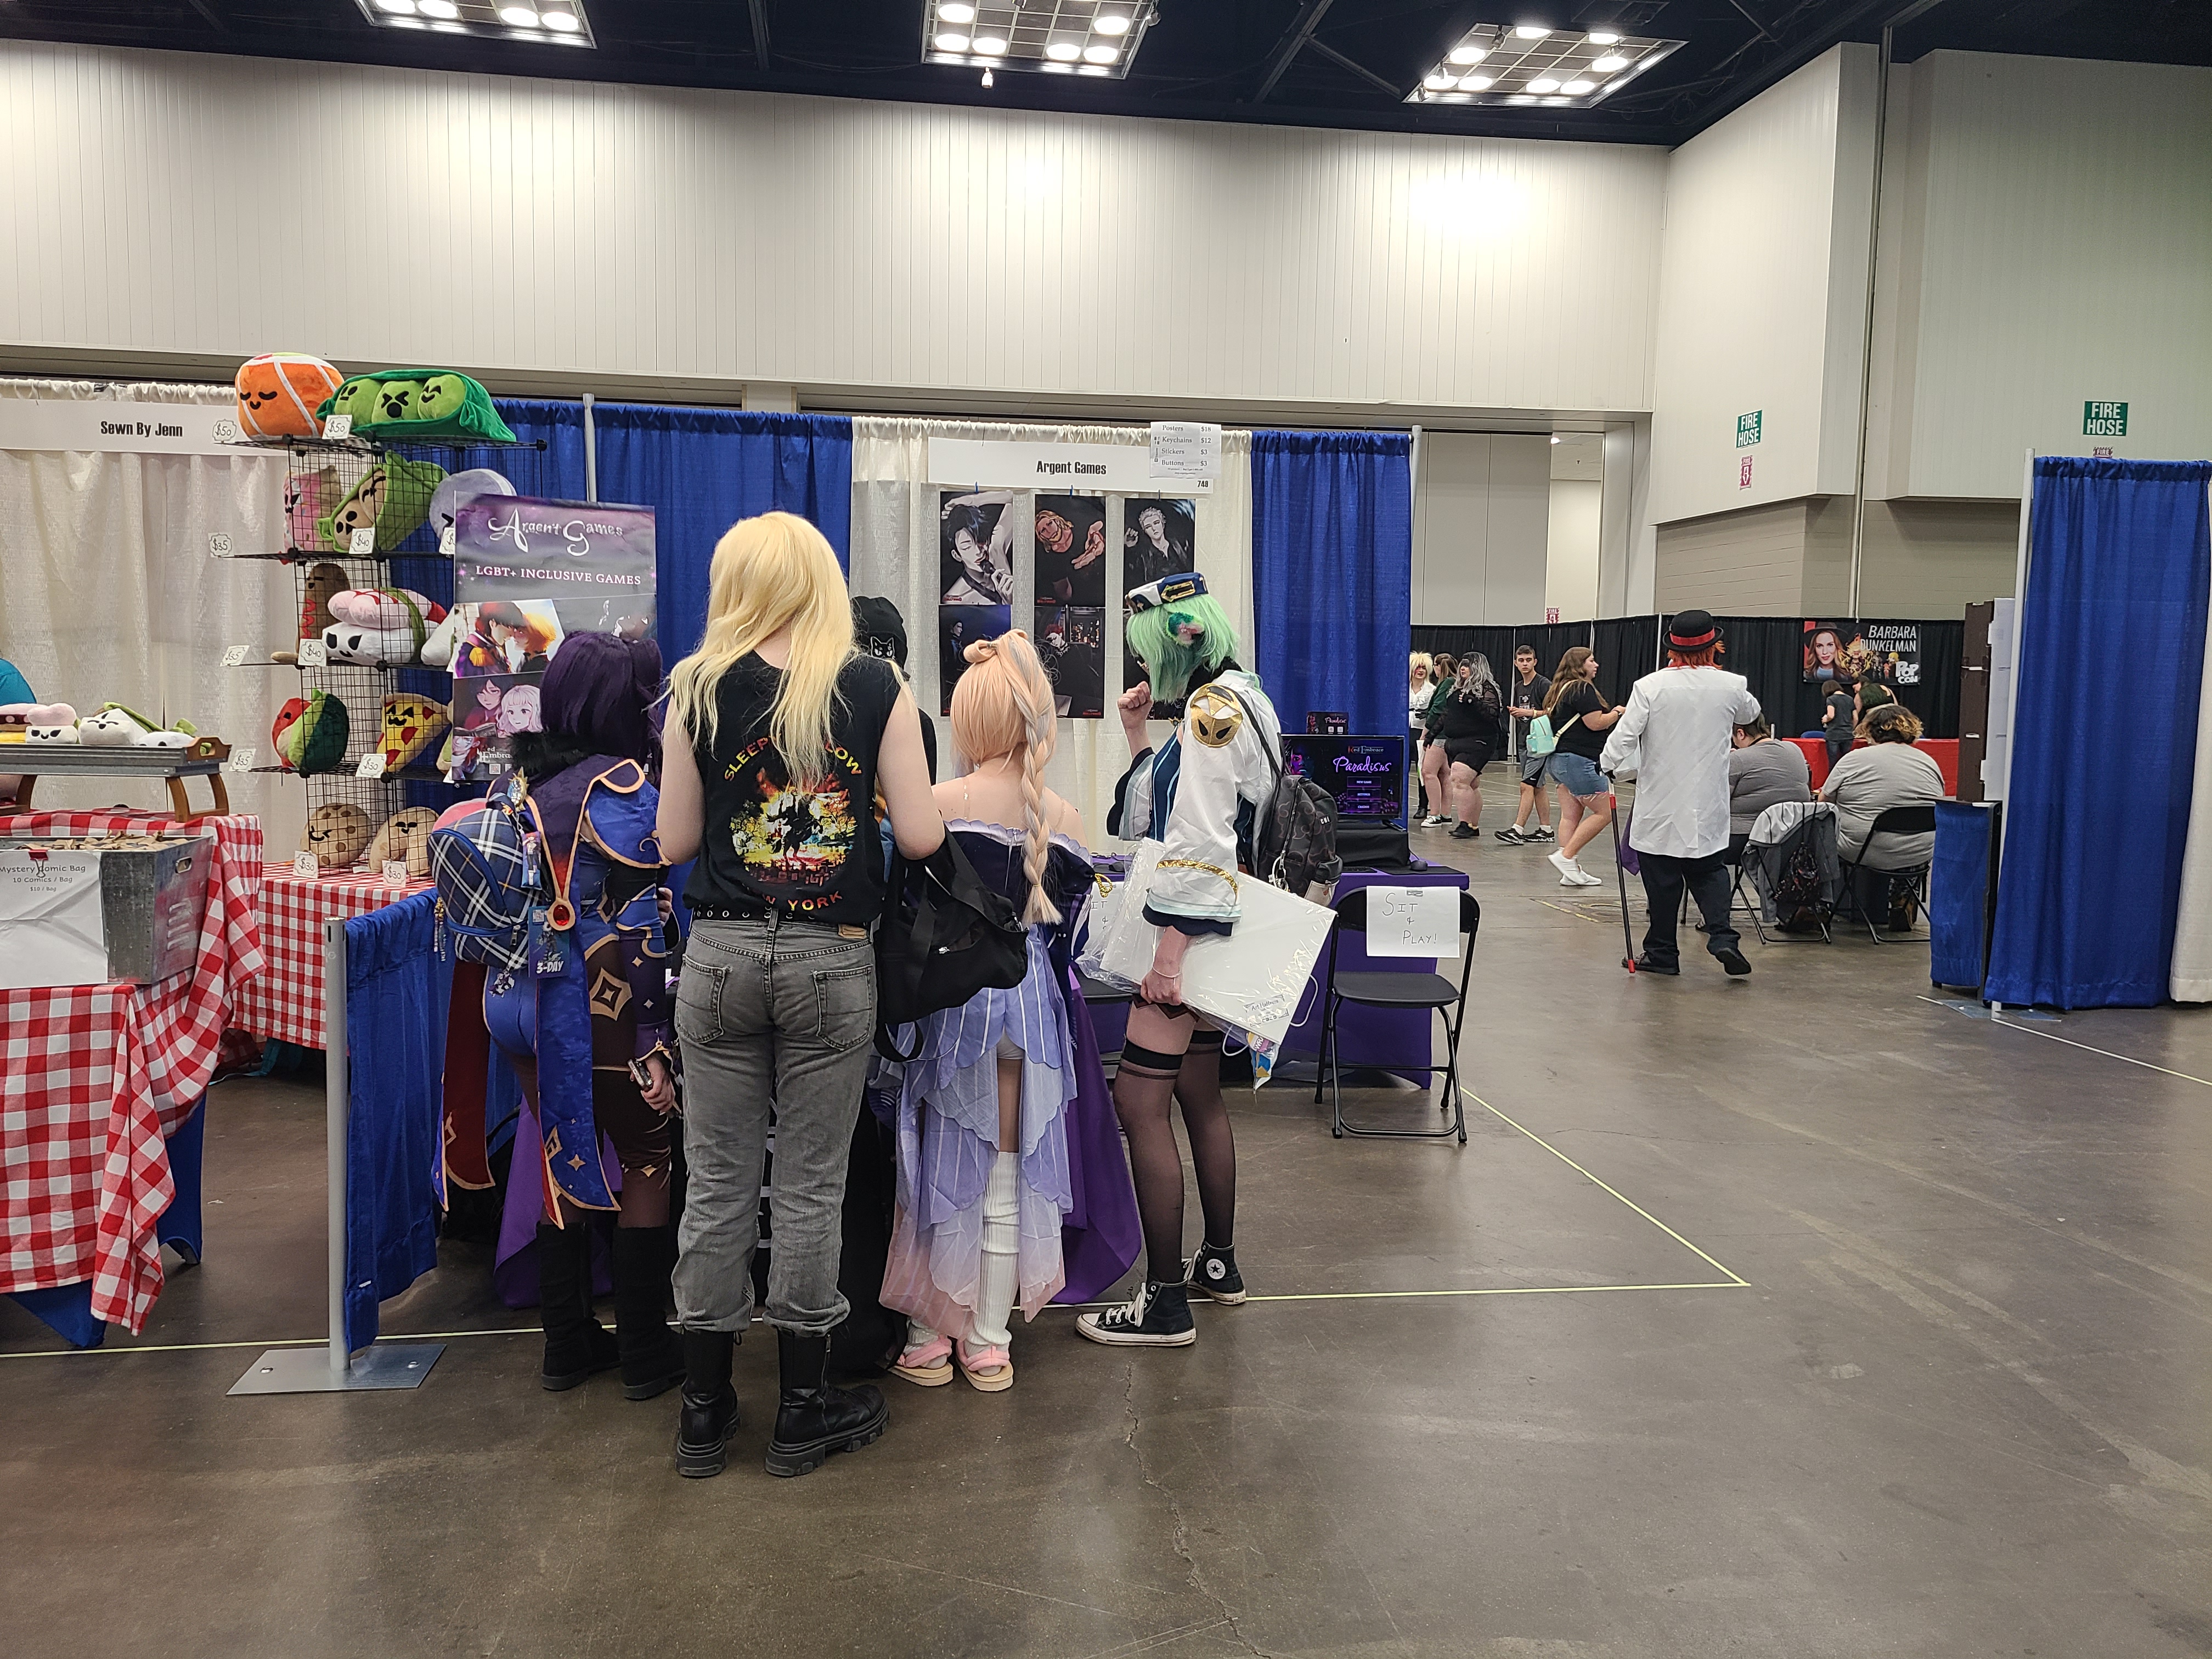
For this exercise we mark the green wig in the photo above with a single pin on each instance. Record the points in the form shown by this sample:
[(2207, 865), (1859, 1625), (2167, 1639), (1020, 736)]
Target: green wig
[(1180, 643)]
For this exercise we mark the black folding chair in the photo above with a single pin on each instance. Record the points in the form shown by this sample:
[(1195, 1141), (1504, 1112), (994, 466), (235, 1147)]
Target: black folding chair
[(1370, 989), (1897, 821), (1755, 905)]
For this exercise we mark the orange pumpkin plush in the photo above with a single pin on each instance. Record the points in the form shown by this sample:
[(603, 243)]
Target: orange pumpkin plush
[(277, 393)]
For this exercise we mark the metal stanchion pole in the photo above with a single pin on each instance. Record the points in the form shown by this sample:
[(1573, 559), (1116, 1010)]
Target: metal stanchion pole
[(334, 1369)]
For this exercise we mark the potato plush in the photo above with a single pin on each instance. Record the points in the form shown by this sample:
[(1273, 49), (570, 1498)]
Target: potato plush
[(279, 391), (324, 582), (404, 837), (337, 833), (411, 724)]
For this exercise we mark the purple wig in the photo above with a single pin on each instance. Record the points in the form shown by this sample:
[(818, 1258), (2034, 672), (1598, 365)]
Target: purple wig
[(597, 690)]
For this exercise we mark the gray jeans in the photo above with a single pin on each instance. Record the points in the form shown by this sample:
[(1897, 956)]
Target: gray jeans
[(769, 1012)]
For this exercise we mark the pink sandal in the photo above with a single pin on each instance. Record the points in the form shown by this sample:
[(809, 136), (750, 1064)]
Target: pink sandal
[(929, 1366), (991, 1370)]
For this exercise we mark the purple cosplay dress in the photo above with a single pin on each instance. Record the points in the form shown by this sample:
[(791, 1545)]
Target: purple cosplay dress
[(1078, 1229)]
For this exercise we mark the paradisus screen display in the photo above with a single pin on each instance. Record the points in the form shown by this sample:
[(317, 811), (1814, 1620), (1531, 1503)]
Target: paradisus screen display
[(1367, 775)]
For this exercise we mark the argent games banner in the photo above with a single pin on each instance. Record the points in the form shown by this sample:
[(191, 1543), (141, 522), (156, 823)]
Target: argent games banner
[(527, 574)]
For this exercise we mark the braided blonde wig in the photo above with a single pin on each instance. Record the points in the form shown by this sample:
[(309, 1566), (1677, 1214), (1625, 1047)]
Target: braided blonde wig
[(1003, 705)]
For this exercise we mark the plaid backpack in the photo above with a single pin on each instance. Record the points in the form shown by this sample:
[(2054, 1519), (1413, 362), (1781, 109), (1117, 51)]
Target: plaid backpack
[(491, 876)]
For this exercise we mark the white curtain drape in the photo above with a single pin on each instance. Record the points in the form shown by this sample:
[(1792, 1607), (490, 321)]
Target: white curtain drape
[(108, 593), (2190, 979), (894, 556)]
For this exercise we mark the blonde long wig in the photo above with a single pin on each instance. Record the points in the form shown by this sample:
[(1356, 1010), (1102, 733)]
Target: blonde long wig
[(769, 571), (1003, 705)]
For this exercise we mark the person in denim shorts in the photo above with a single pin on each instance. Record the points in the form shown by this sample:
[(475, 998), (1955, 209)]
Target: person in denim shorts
[(781, 740)]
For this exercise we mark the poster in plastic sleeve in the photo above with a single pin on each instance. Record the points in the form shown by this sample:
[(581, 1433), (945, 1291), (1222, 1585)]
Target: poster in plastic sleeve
[(529, 574)]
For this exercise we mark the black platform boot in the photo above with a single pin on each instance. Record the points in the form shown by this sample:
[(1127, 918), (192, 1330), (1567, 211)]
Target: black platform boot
[(813, 1419), (652, 1358), (577, 1345), (710, 1405)]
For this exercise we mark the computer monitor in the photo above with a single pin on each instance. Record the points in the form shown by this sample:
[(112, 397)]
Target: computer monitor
[(1367, 775)]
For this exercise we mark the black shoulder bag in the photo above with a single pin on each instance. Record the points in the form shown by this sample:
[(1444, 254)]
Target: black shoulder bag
[(946, 935)]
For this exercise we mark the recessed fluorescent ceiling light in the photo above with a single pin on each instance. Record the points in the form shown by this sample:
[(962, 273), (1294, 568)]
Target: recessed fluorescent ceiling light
[(563, 22), (1091, 37), (1522, 63)]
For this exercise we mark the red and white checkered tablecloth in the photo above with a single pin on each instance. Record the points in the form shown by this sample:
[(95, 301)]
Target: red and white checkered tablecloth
[(97, 1077), (286, 1003)]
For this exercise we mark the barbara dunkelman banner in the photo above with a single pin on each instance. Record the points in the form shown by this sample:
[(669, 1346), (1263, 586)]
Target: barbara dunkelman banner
[(528, 575)]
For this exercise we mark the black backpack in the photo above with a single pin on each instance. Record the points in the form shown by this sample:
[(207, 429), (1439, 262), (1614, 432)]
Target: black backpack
[(946, 935), (1797, 885), (1294, 833)]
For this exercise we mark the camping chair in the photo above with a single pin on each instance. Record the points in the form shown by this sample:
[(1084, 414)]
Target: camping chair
[(1372, 989), (1897, 821)]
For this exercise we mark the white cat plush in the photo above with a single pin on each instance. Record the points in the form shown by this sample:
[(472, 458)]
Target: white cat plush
[(113, 726)]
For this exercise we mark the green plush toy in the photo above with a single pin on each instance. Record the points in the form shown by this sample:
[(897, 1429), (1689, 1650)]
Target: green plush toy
[(310, 732), (396, 405), (394, 495)]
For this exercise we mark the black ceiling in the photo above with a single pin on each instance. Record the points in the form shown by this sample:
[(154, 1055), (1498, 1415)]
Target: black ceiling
[(1204, 60)]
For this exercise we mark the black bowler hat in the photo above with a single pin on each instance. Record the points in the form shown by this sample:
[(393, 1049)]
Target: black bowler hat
[(1691, 630)]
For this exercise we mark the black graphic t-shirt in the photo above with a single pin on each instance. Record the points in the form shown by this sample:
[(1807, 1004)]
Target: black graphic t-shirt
[(815, 855)]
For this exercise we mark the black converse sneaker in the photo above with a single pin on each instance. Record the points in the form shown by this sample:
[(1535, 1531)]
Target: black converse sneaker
[(1158, 1316), (1213, 1273)]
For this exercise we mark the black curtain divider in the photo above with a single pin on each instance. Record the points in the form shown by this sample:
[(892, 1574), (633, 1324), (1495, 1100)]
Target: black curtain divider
[(1767, 650)]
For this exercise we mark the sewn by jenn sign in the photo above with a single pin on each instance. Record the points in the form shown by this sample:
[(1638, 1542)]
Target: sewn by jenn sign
[(1100, 468), (149, 428)]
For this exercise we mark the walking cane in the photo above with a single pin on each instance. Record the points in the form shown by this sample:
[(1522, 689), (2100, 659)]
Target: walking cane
[(1620, 870)]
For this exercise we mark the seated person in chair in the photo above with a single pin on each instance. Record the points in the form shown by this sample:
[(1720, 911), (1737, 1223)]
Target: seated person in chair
[(1867, 783), (1763, 771)]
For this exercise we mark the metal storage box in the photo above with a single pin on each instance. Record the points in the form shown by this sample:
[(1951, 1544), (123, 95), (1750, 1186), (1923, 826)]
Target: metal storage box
[(153, 899)]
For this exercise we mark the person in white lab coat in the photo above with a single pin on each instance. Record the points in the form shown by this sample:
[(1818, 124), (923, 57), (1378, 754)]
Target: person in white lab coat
[(1676, 731)]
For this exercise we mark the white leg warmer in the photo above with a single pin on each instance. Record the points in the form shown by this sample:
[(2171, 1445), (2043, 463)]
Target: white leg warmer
[(1002, 1237)]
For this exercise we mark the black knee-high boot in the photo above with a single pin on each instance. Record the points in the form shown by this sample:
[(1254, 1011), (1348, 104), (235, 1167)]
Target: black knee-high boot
[(577, 1345), (652, 1358)]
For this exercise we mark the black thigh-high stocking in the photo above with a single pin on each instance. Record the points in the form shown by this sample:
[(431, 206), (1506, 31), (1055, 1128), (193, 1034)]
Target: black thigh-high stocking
[(1143, 1089), (1212, 1143)]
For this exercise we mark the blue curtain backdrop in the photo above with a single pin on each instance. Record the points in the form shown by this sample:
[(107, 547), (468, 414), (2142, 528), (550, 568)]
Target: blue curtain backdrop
[(1332, 574), (2097, 805), (700, 471), (396, 988)]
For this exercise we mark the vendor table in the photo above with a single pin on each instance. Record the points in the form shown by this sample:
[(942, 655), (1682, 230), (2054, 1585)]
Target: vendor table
[(97, 1080), (1944, 751), (286, 1002)]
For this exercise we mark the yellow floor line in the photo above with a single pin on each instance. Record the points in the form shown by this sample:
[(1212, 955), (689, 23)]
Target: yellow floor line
[(1997, 1018), (1616, 1192), (1507, 1290)]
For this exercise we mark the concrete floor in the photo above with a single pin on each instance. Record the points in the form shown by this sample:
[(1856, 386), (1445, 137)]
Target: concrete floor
[(1957, 1405)]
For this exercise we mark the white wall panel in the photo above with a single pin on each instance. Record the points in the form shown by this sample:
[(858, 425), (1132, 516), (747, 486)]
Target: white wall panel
[(2047, 240), (1481, 511), (1762, 288), (188, 204), (1570, 548)]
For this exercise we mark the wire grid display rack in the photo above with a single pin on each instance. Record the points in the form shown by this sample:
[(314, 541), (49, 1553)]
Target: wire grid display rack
[(319, 475)]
